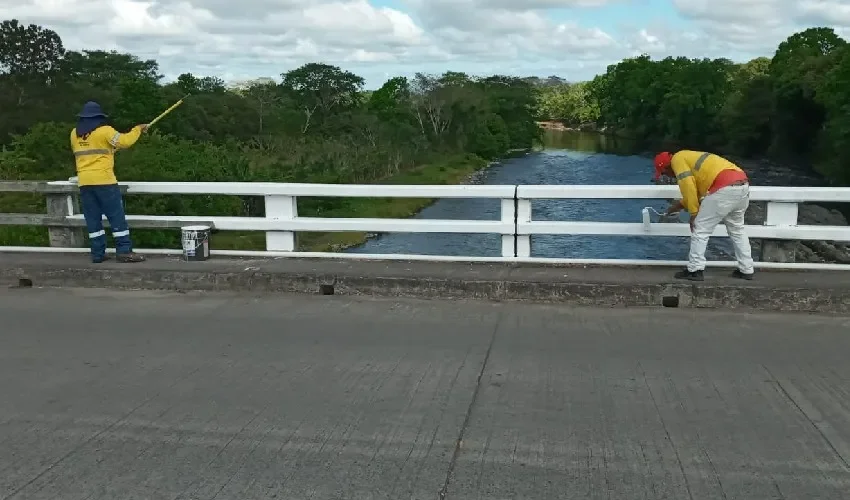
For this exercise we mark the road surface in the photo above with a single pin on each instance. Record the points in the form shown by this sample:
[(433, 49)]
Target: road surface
[(138, 395)]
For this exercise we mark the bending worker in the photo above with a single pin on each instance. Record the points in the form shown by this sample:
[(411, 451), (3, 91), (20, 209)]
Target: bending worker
[(94, 144), (713, 190)]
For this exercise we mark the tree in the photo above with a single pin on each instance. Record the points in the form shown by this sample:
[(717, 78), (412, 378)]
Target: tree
[(191, 84), (513, 100), (434, 99), (799, 63), (29, 60), (266, 98), (392, 99), (29, 51), (140, 101), (104, 69), (319, 90), (572, 104), (748, 110), (833, 95), (489, 137)]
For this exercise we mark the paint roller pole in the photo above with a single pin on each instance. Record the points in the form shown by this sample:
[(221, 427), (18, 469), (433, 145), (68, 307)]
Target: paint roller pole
[(169, 110)]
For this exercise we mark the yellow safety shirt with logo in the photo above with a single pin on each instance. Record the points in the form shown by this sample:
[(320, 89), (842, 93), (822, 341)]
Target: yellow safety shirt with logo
[(94, 153), (696, 172)]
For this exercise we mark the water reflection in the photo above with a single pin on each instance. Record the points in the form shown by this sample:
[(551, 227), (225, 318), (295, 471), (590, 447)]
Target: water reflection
[(587, 142)]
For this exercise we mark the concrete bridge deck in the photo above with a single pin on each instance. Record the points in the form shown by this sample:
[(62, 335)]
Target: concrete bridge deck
[(140, 394), (821, 291)]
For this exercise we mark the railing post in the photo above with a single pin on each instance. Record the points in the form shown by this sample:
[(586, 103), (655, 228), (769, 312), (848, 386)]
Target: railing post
[(509, 217), (523, 214), (780, 214), (281, 208), (59, 206)]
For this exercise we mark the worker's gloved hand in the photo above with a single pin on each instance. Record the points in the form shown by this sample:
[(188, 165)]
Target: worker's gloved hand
[(143, 126), (674, 208)]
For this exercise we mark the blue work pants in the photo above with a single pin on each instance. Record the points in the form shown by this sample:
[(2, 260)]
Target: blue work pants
[(96, 202)]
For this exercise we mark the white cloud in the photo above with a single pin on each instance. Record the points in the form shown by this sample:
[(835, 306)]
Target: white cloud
[(523, 5), (344, 22), (832, 12), (179, 20), (500, 29), (242, 37), (759, 25), (250, 38)]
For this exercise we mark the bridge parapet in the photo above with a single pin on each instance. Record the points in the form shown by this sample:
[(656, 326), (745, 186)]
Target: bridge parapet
[(516, 224)]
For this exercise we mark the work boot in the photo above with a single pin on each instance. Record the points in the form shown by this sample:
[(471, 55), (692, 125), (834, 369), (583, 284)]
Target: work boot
[(96, 260), (738, 274), (688, 275), (129, 257)]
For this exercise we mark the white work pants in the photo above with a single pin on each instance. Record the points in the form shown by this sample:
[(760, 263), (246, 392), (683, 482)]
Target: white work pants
[(727, 205)]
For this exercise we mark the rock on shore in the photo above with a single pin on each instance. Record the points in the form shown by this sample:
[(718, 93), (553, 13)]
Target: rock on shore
[(767, 173), (810, 214)]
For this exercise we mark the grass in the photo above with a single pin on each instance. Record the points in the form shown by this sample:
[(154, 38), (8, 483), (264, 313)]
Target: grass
[(23, 235)]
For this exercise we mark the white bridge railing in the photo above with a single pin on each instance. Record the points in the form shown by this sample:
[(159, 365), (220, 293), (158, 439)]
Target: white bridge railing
[(516, 224)]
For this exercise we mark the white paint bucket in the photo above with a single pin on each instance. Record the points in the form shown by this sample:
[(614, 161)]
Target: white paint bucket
[(196, 242)]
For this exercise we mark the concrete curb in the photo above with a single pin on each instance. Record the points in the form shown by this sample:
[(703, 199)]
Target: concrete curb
[(584, 293)]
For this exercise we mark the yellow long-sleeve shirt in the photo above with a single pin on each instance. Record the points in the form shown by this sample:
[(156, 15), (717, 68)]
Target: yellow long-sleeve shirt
[(696, 172), (94, 154)]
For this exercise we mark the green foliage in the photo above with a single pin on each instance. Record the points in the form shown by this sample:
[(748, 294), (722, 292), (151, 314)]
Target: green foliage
[(490, 137), (570, 103), (316, 125), (833, 93), (799, 64), (675, 100), (29, 51), (793, 105)]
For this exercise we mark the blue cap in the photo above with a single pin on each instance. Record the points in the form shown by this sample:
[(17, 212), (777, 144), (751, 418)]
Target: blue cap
[(91, 109)]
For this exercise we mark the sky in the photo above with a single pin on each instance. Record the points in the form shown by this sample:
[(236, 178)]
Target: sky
[(380, 39)]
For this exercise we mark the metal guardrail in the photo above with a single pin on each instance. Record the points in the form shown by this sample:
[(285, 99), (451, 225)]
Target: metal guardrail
[(780, 220), (516, 224)]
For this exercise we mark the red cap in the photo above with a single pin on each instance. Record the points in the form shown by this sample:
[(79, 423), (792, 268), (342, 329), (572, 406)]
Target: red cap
[(662, 161)]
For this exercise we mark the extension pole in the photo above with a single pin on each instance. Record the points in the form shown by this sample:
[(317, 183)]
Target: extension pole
[(169, 110)]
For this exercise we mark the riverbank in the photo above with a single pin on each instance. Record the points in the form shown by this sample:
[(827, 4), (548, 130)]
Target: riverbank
[(562, 127)]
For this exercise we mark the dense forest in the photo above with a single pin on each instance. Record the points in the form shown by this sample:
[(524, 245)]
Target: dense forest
[(316, 125), (794, 106)]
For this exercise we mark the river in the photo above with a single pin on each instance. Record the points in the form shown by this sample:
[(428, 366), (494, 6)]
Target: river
[(568, 158)]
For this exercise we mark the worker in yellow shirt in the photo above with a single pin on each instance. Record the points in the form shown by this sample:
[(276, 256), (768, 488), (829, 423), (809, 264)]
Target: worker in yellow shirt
[(714, 190), (94, 144)]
